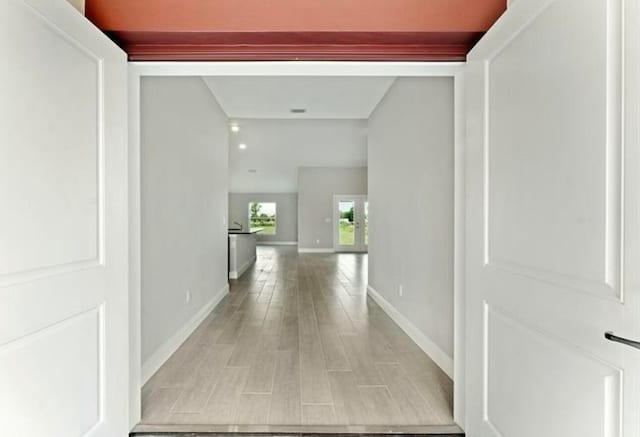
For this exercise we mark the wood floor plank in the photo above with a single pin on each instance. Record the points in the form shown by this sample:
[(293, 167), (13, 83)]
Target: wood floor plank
[(232, 330), (147, 390), (314, 381), (263, 368), (308, 325), (253, 409), (190, 418), (323, 315), (222, 405), (298, 342), (273, 320), (361, 359), (341, 319), (180, 366), (288, 338), (393, 334), (245, 350), (216, 326), (334, 355), (254, 313), (432, 383), (318, 414), (157, 408), (313, 372), (285, 406), (349, 409), (381, 350), (194, 396), (379, 406), (415, 409)]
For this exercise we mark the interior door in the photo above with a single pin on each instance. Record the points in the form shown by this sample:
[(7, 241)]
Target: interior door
[(553, 228), (63, 225), (351, 230)]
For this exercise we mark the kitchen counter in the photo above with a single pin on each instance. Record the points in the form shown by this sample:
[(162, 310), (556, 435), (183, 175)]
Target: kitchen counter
[(242, 250), (245, 231)]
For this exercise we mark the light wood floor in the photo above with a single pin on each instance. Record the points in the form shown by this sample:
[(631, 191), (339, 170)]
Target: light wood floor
[(298, 342)]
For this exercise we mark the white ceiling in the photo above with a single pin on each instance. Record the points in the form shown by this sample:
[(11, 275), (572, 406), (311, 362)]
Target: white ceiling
[(322, 97), (276, 148)]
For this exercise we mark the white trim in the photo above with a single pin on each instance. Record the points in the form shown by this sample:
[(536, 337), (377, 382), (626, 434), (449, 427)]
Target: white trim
[(315, 250), (295, 68), (235, 274), (276, 243), (298, 68), (444, 361), (135, 257), (459, 306), (162, 354)]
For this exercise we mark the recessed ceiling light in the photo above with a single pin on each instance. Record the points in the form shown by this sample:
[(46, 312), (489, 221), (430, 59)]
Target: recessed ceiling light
[(298, 110), (242, 146), (235, 127)]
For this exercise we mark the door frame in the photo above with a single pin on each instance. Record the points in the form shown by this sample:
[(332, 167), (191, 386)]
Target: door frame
[(138, 70), (336, 199)]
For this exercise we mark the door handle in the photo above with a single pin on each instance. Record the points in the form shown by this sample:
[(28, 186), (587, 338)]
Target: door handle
[(611, 337)]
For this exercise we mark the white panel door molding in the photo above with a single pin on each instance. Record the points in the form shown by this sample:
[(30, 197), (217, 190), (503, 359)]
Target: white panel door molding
[(63, 226), (553, 226)]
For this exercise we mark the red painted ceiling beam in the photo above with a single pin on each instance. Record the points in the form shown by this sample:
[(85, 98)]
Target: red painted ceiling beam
[(295, 29)]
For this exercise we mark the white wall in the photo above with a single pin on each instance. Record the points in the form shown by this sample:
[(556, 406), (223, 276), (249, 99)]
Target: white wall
[(184, 184), (276, 148), (316, 188), (286, 214), (411, 171)]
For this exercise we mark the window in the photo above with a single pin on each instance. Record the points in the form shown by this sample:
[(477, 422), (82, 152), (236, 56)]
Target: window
[(263, 215)]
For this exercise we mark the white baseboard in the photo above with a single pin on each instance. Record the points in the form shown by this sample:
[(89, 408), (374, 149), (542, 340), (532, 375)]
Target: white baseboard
[(444, 361), (277, 243), (235, 274), (314, 250), (162, 354)]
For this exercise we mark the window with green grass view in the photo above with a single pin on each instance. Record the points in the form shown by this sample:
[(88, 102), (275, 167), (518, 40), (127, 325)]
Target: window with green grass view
[(263, 215)]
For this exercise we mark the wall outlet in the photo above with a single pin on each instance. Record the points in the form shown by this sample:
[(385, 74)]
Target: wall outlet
[(187, 297), (400, 291)]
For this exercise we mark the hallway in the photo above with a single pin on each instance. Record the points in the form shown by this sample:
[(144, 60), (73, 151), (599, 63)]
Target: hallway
[(298, 342)]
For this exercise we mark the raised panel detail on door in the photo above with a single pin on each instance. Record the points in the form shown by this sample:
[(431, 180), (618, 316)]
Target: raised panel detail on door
[(64, 353), (552, 246), (586, 404), (549, 215), (64, 389), (51, 189)]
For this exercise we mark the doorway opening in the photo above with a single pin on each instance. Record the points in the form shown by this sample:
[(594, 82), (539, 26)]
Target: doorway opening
[(350, 223), (295, 309)]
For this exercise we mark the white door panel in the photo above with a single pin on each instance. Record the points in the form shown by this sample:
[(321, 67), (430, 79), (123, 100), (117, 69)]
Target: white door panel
[(552, 237), (63, 240)]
